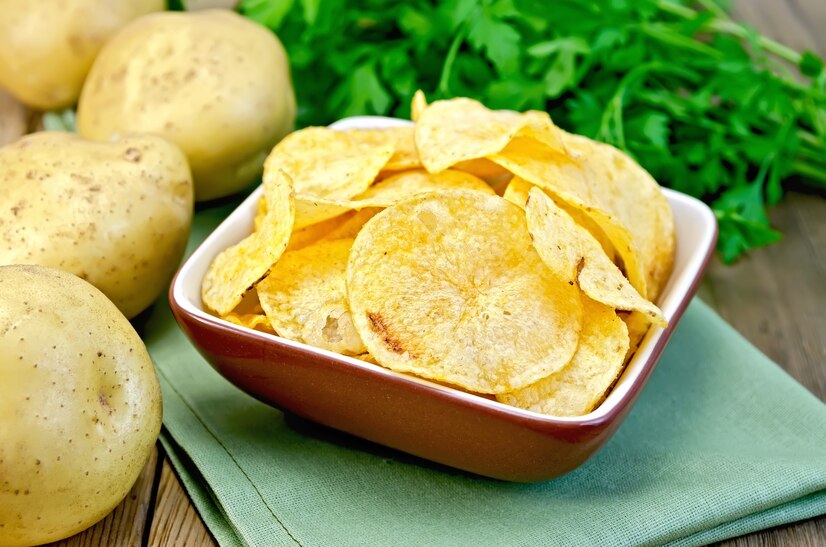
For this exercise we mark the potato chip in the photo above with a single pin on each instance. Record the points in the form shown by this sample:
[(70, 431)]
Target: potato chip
[(329, 164), (633, 197), (638, 325), (304, 297), (260, 213), (255, 321), (517, 193), (578, 387), (456, 130), (405, 155), (448, 286), (239, 268), (564, 179), (417, 105), (620, 197), (575, 256), (389, 191)]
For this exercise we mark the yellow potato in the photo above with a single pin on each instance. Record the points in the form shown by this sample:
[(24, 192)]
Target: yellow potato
[(80, 406), (115, 214), (46, 49), (448, 286), (214, 83)]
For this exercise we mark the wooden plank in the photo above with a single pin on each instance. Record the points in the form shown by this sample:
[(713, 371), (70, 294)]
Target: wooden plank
[(175, 520), (125, 525)]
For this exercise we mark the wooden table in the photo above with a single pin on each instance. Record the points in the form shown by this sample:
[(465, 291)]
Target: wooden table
[(776, 297)]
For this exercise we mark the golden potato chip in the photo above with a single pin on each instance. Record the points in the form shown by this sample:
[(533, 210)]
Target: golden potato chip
[(346, 226), (448, 286), (260, 213), (389, 191), (578, 387), (329, 164), (456, 130), (417, 105), (305, 298), (239, 268), (638, 325), (405, 155), (632, 196), (255, 321), (573, 254), (517, 193), (620, 197)]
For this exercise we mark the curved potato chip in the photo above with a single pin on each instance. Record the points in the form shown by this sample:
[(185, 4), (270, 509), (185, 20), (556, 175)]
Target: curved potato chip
[(630, 194), (252, 321), (517, 193), (417, 105), (574, 255), (260, 213), (581, 384), (304, 297), (330, 164), (621, 198), (389, 191), (237, 270), (456, 130), (638, 325), (405, 155), (448, 286)]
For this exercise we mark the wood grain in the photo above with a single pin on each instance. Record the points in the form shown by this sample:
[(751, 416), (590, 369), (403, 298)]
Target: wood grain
[(176, 521)]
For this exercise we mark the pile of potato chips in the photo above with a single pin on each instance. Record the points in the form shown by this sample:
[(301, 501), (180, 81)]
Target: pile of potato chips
[(486, 250)]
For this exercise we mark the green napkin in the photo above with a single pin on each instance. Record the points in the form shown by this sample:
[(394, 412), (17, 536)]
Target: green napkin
[(721, 443)]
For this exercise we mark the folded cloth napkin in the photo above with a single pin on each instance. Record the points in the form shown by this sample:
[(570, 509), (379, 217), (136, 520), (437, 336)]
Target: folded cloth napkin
[(722, 442)]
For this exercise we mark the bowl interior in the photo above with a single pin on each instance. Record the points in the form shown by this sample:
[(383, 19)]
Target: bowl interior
[(696, 231)]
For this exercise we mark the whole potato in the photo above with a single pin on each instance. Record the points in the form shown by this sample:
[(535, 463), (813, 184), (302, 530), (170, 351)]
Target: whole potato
[(46, 48), (212, 82), (80, 405), (115, 214)]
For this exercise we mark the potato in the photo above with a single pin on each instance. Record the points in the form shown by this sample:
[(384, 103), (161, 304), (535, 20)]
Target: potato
[(115, 214), (80, 405), (212, 82), (46, 49)]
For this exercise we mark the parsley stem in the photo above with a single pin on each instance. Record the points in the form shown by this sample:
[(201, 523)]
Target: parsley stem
[(809, 172), (447, 67), (727, 26)]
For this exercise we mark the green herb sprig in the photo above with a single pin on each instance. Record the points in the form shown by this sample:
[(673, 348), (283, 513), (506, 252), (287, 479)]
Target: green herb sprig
[(707, 105)]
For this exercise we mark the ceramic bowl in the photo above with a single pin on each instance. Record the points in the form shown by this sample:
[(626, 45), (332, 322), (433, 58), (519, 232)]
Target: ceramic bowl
[(413, 415)]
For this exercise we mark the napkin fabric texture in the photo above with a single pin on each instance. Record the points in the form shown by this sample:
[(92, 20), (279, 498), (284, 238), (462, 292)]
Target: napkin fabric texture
[(721, 442)]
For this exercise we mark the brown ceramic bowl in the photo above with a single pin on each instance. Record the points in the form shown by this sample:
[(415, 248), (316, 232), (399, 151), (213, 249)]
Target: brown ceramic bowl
[(406, 413)]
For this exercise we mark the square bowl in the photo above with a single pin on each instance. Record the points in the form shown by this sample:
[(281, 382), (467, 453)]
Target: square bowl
[(428, 420)]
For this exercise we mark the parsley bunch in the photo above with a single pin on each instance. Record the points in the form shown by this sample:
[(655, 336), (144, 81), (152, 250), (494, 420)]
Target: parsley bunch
[(707, 105)]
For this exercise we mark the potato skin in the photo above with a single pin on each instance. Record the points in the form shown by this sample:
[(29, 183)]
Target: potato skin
[(80, 405), (47, 48), (115, 214), (212, 82)]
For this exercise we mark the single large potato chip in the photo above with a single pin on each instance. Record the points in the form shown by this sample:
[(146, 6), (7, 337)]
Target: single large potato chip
[(305, 300), (575, 256), (449, 287), (449, 132), (331, 164), (389, 191), (239, 268), (581, 384)]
